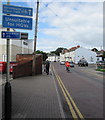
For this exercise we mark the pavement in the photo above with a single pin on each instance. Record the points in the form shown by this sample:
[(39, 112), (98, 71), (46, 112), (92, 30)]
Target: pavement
[(36, 97)]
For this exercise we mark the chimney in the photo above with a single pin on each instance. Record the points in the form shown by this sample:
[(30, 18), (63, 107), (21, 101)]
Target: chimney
[(78, 46)]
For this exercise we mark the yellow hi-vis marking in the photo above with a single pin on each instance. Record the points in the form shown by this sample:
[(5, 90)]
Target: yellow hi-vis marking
[(65, 92)]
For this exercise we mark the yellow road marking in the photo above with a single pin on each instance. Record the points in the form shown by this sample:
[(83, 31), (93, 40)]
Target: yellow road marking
[(65, 92), (69, 104), (77, 110)]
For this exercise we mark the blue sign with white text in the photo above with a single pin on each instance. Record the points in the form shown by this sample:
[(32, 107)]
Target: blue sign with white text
[(10, 35), (9, 9), (17, 22)]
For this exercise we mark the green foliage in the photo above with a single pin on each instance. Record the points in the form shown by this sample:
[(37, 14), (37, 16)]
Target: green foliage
[(44, 54), (57, 51), (102, 70), (52, 52), (95, 49)]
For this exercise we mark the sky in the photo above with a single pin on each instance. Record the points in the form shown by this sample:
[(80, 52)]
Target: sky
[(67, 24)]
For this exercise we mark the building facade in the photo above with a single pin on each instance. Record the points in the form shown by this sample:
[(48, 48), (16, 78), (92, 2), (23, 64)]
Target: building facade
[(76, 53), (16, 47), (53, 58)]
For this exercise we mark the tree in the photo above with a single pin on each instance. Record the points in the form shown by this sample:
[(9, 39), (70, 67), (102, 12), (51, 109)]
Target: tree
[(58, 51), (95, 49), (52, 52), (44, 54)]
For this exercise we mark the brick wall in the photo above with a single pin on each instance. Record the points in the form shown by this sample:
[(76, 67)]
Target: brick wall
[(24, 67)]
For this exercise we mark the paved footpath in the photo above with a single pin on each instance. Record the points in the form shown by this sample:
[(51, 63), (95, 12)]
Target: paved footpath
[(35, 97)]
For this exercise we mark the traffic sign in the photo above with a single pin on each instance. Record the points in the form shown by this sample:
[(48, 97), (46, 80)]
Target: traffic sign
[(17, 22), (24, 36), (9, 9), (10, 35)]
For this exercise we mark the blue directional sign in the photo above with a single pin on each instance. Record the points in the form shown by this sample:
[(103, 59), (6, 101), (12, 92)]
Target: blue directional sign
[(17, 22), (11, 35), (9, 9)]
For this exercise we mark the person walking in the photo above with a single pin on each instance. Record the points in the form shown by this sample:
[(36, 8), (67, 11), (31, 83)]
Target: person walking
[(47, 65)]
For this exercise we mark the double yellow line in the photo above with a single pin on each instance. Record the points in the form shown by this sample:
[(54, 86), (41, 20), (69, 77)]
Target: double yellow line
[(76, 114)]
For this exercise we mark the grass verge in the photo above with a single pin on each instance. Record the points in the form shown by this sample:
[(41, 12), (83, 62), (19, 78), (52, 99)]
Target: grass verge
[(102, 70)]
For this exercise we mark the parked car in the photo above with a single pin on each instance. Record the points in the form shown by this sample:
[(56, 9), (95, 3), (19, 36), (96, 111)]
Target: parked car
[(62, 62), (71, 64), (82, 62)]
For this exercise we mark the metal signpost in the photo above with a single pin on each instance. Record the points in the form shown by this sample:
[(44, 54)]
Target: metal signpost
[(18, 23), (10, 35)]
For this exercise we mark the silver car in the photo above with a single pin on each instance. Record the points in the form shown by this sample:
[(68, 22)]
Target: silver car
[(62, 62)]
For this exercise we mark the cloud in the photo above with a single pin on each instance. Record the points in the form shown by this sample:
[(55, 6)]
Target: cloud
[(49, 1), (75, 23), (68, 23)]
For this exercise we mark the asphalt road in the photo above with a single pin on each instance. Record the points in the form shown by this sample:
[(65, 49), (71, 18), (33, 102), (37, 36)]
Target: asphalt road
[(83, 88)]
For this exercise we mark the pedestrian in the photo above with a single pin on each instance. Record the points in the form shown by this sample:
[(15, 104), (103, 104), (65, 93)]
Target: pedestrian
[(47, 65)]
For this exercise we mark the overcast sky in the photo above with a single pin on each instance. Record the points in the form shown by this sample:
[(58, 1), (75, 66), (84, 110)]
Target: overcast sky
[(68, 24)]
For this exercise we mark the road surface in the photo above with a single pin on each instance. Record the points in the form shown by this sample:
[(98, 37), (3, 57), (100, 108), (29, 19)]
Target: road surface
[(81, 91)]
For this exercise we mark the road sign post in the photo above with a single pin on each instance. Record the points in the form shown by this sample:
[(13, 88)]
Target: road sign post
[(17, 23), (7, 87)]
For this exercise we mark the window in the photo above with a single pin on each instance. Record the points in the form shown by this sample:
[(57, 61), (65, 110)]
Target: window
[(25, 43), (91, 59)]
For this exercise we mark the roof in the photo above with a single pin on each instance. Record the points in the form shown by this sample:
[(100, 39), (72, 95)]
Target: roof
[(71, 49)]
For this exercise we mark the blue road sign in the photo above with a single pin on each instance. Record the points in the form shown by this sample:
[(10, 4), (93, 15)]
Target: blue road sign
[(9, 9), (17, 22), (10, 35)]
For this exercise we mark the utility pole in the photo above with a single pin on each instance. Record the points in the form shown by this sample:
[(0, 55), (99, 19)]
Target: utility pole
[(7, 87), (35, 39)]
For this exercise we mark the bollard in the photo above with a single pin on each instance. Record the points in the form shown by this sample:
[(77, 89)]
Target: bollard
[(7, 101)]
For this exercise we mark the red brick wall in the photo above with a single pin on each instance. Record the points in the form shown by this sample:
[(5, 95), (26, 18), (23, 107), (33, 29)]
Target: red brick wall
[(24, 68)]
